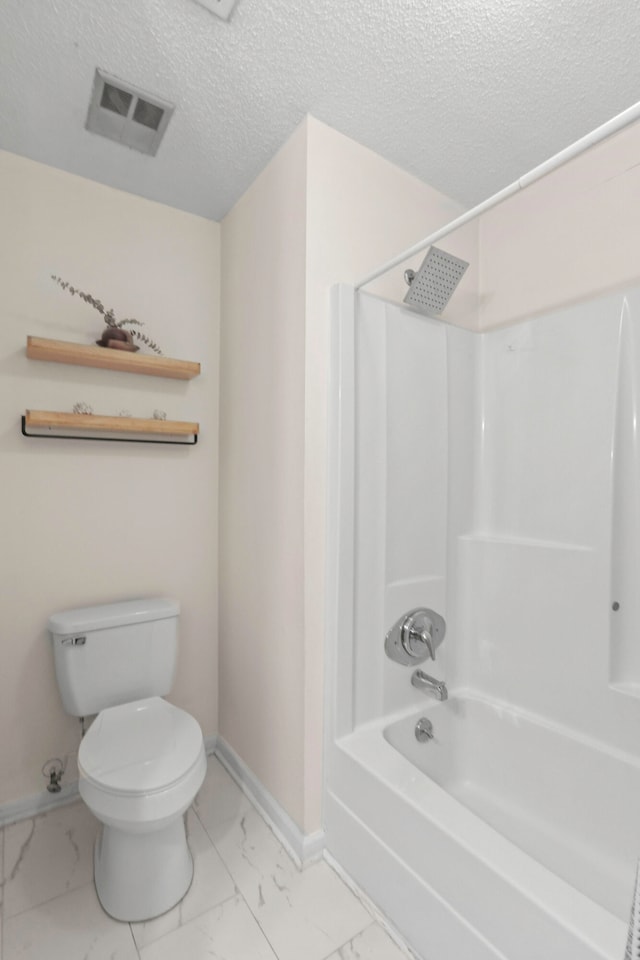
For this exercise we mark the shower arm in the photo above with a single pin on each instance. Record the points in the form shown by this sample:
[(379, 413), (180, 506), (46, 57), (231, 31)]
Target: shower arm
[(607, 129)]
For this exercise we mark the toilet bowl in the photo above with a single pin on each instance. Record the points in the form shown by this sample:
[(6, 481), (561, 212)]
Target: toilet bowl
[(141, 765)]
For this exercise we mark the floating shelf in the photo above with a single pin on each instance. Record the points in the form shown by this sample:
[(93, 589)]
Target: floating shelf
[(54, 424), (83, 355)]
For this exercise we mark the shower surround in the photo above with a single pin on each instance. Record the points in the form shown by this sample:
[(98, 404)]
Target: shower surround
[(490, 477)]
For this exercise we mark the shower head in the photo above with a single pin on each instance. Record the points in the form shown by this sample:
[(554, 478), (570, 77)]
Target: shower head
[(431, 288)]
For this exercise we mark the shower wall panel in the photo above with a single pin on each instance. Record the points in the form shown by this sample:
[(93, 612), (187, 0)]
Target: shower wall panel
[(625, 528), (549, 387), (536, 568), (401, 489), (484, 490)]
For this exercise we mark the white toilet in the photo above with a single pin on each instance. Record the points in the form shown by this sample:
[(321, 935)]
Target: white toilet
[(142, 761)]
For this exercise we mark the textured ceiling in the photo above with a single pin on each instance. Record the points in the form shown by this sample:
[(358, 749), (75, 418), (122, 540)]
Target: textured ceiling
[(466, 94)]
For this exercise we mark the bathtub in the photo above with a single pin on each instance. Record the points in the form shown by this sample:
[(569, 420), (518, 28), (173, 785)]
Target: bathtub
[(503, 838)]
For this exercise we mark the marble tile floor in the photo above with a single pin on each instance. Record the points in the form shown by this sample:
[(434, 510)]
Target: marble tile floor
[(248, 901)]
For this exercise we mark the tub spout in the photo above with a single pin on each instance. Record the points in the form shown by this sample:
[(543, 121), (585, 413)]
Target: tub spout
[(435, 688)]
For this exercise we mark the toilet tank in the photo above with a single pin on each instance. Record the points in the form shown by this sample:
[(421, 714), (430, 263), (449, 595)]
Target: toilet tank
[(114, 653)]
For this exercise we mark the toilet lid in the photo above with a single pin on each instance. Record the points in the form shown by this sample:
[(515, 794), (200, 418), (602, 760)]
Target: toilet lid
[(140, 747)]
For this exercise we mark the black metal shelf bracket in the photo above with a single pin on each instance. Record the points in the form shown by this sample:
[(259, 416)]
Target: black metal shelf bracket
[(66, 436)]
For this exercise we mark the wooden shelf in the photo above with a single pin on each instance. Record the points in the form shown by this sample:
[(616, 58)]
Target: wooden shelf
[(60, 351), (54, 421)]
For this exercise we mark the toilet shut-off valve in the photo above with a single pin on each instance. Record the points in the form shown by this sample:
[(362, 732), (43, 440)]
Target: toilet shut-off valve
[(54, 770)]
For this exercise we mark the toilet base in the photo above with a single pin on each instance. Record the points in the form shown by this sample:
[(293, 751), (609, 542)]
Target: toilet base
[(141, 875)]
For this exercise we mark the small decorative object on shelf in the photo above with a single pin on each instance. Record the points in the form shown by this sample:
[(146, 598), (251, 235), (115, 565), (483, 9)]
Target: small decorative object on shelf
[(159, 415), (82, 407), (114, 335), (117, 339)]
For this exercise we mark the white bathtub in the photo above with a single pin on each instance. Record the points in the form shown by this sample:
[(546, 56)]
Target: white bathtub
[(503, 837)]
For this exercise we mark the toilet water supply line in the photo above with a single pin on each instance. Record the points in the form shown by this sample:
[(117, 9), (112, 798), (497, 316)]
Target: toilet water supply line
[(607, 129)]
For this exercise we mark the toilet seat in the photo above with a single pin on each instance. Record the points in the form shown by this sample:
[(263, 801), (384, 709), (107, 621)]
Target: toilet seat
[(141, 764), (140, 748)]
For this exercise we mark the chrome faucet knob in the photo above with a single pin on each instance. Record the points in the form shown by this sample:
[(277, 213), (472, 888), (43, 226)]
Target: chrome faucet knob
[(416, 637)]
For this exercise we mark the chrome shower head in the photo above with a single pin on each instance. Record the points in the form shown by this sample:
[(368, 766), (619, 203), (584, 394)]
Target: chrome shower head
[(431, 288)]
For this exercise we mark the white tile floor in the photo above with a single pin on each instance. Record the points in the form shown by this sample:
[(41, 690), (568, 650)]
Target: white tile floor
[(248, 901)]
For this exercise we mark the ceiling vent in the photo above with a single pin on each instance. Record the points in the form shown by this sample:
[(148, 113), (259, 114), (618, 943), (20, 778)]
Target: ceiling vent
[(129, 116), (221, 8)]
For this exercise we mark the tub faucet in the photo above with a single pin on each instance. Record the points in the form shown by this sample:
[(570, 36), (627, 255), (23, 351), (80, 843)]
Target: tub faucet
[(435, 688)]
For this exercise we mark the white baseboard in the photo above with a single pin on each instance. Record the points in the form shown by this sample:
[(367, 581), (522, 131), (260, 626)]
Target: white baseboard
[(302, 848), (38, 803)]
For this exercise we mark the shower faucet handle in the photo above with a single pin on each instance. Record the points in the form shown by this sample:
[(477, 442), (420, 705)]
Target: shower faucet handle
[(415, 637)]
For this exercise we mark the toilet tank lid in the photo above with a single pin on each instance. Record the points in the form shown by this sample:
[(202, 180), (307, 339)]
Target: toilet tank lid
[(85, 619)]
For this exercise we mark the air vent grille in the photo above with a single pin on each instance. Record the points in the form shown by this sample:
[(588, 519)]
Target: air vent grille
[(117, 100), (129, 116), (148, 114)]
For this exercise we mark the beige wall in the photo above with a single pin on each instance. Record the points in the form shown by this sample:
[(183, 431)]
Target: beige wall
[(83, 523), (569, 236), (326, 210), (261, 475)]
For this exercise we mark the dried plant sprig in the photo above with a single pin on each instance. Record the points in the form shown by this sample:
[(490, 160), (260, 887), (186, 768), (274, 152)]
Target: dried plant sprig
[(147, 341), (109, 315)]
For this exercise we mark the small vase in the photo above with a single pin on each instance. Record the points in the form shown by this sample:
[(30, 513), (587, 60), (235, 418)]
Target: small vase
[(117, 339)]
